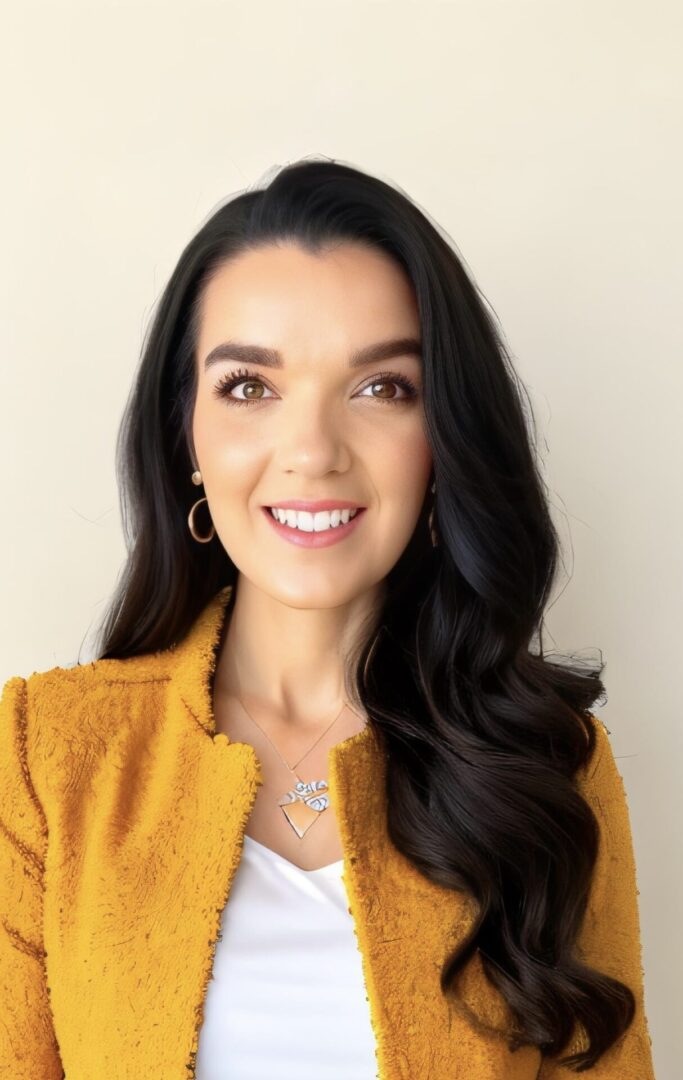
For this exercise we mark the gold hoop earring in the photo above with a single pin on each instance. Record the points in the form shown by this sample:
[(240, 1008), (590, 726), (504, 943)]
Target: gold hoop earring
[(197, 479), (432, 531)]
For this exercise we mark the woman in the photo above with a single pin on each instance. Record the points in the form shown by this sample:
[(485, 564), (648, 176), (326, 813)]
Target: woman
[(322, 805)]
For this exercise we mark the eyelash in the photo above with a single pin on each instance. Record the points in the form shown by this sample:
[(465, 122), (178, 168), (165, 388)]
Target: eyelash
[(230, 381)]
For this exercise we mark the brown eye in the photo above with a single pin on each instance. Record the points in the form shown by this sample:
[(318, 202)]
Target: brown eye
[(385, 379), (235, 378), (253, 382), (383, 384), (251, 385)]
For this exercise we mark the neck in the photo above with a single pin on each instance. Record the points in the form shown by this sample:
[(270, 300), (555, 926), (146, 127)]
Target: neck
[(287, 663)]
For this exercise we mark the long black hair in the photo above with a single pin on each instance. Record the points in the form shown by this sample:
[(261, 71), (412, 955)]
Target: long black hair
[(483, 730)]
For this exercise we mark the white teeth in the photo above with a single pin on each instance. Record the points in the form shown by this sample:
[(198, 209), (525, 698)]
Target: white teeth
[(307, 522)]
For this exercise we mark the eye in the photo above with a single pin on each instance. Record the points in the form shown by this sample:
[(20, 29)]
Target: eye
[(233, 379), (387, 377)]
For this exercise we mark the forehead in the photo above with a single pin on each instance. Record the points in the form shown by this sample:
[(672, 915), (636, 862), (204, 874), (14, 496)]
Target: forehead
[(282, 295)]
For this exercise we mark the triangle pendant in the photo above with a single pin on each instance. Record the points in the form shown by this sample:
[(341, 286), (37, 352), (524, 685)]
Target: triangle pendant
[(303, 804)]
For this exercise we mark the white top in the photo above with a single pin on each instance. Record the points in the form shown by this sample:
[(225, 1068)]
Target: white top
[(287, 997)]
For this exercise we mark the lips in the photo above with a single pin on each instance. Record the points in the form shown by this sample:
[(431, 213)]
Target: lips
[(312, 539)]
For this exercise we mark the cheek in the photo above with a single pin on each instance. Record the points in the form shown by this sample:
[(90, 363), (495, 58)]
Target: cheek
[(403, 463), (233, 455), (227, 452)]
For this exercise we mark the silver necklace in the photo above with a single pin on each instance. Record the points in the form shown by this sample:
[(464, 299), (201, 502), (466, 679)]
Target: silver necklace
[(303, 804)]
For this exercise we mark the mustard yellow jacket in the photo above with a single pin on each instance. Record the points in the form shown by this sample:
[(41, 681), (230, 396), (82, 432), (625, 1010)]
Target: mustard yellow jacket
[(122, 816)]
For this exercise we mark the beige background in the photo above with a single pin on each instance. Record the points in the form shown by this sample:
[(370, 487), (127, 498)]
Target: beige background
[(545, 137)]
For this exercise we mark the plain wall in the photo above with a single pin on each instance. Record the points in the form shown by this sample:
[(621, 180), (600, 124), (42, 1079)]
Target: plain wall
[(544, 137)]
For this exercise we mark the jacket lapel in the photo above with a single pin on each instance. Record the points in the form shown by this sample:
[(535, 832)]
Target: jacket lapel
[(405, 924)]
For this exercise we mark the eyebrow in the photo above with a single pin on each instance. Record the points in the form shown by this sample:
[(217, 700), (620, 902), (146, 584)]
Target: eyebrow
[(258, 354)]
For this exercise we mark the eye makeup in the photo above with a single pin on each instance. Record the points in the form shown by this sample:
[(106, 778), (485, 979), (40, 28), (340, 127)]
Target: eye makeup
[(228, 382)]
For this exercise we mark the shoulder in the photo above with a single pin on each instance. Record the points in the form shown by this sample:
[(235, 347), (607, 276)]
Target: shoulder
[(599, 780), (61, 722), (61, 700), (100, 674)]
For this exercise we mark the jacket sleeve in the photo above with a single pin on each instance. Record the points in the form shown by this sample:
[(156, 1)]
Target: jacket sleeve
[(28, 1047), (610, 935)]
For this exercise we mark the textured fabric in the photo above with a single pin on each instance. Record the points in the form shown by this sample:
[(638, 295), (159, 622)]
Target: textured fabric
[(122, 816), (286, 997)]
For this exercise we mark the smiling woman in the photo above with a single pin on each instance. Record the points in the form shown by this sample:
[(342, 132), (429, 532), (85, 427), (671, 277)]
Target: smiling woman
[(314, 427), (322, 805)]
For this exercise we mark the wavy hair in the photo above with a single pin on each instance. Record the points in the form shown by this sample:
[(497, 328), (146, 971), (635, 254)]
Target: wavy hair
[(483, 731)]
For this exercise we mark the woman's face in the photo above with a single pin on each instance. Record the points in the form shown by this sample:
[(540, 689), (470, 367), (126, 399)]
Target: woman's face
[(315, 427)]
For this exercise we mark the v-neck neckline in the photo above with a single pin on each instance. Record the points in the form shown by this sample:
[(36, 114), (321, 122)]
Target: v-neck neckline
[(276, 857)]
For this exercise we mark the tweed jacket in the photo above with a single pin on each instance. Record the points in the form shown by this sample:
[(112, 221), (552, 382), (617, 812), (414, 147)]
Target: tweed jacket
[(122, 816)]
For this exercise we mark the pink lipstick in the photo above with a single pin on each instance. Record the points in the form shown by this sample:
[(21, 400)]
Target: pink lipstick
[(315, 539)]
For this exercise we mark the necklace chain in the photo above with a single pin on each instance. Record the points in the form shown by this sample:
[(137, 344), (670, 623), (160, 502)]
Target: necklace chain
[(290, 767), (303, 804)]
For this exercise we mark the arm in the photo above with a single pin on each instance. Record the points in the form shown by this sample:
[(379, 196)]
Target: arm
[(28, 1047), (610, 934)]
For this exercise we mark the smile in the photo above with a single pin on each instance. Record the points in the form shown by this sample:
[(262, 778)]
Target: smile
[(309, 522), (314, 530)]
